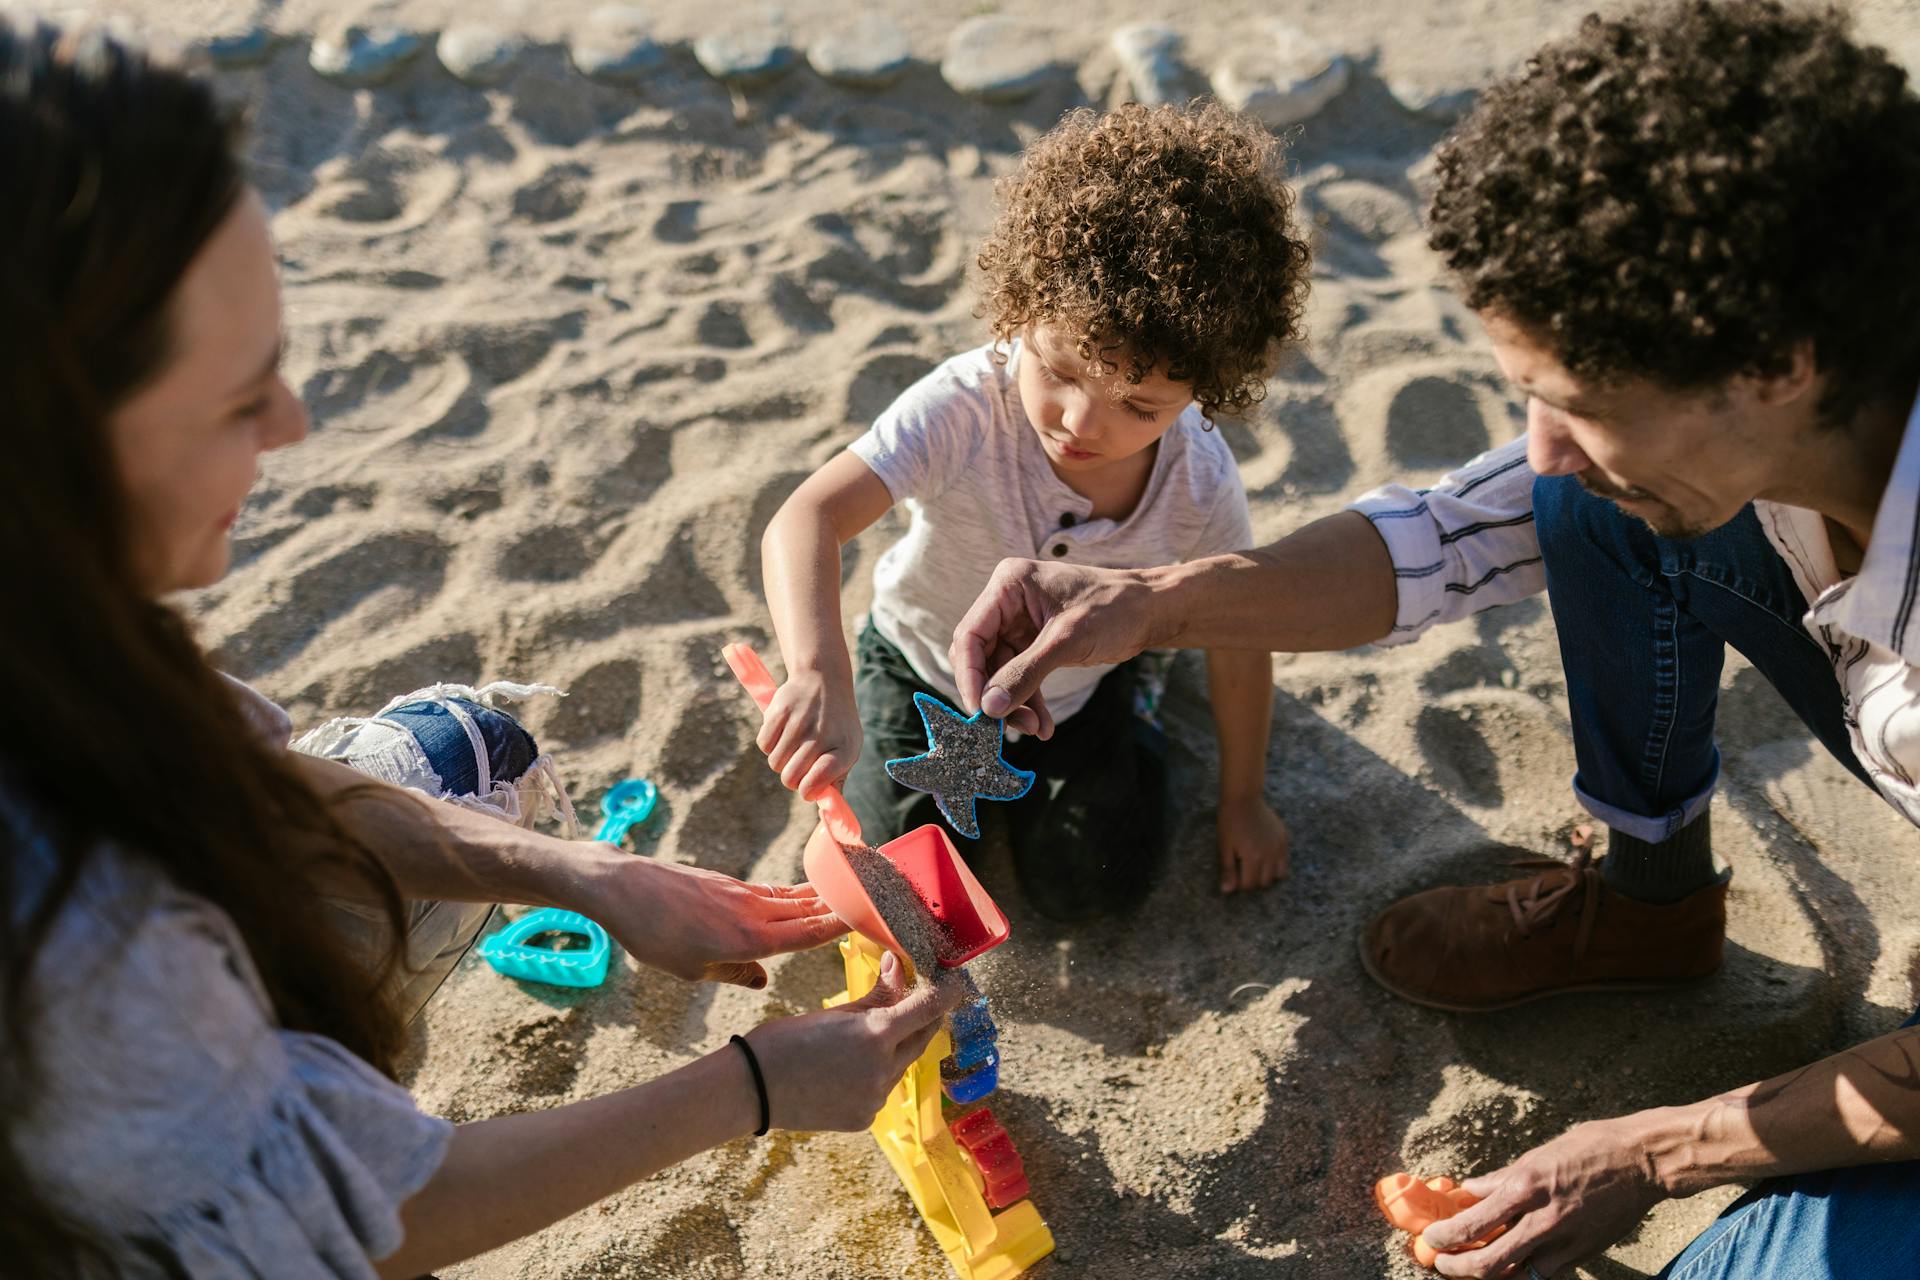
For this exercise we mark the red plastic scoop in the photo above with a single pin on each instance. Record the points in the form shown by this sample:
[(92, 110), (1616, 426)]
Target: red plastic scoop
[(925, 856)]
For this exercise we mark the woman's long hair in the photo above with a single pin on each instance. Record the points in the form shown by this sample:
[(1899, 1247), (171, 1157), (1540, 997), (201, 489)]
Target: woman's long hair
[(114, 172)]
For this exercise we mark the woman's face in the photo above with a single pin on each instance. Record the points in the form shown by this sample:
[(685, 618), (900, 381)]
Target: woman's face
[(188, 443)]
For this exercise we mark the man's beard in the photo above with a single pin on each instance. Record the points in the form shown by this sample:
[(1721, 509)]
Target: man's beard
[(1668, 524)]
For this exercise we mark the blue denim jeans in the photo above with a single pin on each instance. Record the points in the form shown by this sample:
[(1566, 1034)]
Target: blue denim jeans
[(446, 745), (1644, 623)]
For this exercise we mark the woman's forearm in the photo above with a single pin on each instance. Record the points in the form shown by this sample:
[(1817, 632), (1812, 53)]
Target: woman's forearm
[(1861, 1106), (438, 850), (511, 1176)]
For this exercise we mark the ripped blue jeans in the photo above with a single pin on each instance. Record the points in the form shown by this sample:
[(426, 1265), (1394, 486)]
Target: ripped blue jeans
[(452, 743)]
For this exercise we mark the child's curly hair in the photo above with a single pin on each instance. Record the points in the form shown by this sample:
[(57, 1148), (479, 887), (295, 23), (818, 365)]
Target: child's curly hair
[(1161, 234), (1685, 193)]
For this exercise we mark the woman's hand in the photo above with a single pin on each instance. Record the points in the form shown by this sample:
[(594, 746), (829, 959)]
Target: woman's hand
[(834, 1069), (1253, 844), (810, 734), (1563, 1203), (701, 925)]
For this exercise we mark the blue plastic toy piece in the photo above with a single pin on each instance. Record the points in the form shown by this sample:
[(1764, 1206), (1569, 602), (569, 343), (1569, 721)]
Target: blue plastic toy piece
[(626, 805), (963, 763), (972, 1021), (974, 1085), (974, 1037), (509, 951), (965, 1057)]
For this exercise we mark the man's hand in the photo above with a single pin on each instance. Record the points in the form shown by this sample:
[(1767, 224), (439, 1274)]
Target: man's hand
[(701, 925), (1033, 618), (1253, 844), (1563, 1203)]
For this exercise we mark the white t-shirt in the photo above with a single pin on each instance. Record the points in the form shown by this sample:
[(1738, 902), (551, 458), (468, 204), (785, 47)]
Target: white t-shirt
[(956, 448)]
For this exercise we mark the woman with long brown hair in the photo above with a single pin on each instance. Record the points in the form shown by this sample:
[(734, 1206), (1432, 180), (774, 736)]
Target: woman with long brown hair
[(195, 1076)]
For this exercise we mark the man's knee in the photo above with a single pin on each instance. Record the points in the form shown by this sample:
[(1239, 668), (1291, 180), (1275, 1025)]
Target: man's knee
[(1576, 528)]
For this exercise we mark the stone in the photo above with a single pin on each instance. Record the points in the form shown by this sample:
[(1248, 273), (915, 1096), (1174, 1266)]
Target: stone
[(479, 55), (870, 54), (998, 59), (1282, 77), (1149, 54), (615, 44), (753, 51), (363, 56), (241, 48), (1436, 99)]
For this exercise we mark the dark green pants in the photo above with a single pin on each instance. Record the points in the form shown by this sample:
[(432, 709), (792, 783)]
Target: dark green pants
[(1090, 836)]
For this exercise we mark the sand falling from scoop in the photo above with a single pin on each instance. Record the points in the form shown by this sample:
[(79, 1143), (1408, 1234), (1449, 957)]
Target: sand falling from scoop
[(900, 905)]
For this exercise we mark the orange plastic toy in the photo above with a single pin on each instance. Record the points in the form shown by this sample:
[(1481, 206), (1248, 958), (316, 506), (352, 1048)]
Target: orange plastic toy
[(1413, 1206), (925, 856)]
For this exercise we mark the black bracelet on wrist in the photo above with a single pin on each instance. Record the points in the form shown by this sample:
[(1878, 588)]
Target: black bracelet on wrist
[(759, 1084)]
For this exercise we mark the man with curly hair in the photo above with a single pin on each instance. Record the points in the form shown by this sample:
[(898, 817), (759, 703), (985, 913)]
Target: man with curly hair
[(1143, 273), (1693, 235)]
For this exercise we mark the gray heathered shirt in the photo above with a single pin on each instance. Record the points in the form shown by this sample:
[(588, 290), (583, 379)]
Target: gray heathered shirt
[(956, 448), (175, 1119)]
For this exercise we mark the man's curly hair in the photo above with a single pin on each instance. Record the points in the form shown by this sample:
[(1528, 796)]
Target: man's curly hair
[(1687, 193), (1162, 235)]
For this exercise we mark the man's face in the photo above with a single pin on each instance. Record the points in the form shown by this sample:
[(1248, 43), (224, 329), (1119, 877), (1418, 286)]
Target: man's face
[(1685, 463)]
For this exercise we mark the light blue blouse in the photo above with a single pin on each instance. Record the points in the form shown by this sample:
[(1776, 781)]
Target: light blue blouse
[(173, 1117)]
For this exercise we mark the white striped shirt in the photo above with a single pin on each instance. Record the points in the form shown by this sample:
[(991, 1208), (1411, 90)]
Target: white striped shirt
[(1469, 543)]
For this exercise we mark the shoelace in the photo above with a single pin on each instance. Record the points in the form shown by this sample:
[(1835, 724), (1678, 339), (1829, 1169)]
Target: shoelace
[(1549, 892)]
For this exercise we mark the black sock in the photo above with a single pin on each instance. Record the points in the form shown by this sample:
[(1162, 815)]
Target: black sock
[(1664, 872)]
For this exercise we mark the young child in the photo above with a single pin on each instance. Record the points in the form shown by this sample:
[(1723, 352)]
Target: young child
[(1143, 273)]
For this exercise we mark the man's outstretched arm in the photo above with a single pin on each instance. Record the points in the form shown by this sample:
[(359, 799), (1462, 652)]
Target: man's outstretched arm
[(1329, 585)]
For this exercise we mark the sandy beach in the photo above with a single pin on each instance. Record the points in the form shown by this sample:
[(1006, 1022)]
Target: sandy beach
[(568, 345)]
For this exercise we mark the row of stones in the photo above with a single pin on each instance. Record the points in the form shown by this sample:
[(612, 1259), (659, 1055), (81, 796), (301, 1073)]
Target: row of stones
[(1279, 73)]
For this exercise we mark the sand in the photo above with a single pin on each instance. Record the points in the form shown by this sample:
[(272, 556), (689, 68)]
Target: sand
[(568, 347)]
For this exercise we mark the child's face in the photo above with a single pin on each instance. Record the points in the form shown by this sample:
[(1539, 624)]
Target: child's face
[(1087, 420)]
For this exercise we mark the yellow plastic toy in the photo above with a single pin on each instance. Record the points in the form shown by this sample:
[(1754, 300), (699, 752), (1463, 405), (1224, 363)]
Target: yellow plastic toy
[(949, 1184), (965, 1177)]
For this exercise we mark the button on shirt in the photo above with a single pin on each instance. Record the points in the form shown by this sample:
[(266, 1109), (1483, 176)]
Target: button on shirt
[(957, 451), (1469, 544)]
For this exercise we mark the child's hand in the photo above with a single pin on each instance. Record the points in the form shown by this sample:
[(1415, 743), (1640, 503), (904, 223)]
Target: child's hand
[(1253, 844), (811, 737)]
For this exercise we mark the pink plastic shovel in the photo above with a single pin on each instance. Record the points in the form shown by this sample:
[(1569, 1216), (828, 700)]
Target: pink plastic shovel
[(925, 856)]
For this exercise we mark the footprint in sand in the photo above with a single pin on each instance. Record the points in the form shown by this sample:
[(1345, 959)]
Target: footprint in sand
[(386, 188), (1488, 748), (679, 586), (364, 687), (723, 325), (554, 195), (602, 702), (878, 381), (552, 553), (385, 577)]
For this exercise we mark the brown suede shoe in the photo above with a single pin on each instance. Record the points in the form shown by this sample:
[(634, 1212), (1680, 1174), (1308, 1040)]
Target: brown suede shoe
[(1488, 947)]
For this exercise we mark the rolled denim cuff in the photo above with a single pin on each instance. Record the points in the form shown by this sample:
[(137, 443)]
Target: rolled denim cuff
[(1653, 830)]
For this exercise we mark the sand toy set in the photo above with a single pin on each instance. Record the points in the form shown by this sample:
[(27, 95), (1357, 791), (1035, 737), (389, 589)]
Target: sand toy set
[(916, 897)]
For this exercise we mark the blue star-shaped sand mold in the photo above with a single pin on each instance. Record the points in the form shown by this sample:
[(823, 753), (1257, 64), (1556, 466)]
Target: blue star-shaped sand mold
[(962, 764)]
